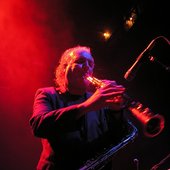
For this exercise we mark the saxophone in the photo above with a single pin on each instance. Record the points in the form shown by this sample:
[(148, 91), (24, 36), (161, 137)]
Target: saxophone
[(153, 124)]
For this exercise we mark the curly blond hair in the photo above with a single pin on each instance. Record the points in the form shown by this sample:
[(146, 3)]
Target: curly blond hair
[(65, 59)]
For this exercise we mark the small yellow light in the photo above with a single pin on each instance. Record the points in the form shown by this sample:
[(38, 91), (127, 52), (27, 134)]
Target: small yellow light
[(107, 35), (129, 21)]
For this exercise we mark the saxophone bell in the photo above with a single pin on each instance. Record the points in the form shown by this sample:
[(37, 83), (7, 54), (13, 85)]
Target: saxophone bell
[(153, 124)]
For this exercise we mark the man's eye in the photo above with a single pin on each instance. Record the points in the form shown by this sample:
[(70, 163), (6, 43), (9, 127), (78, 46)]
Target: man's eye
[(91, 64), (79, 61)]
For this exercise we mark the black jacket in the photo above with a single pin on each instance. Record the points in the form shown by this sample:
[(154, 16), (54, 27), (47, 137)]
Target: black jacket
[(67, 142)]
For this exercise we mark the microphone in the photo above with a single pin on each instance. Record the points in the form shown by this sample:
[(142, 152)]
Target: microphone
[(131, 72)]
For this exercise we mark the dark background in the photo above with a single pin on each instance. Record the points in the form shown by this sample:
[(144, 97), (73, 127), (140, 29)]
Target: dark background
[(34, 34)]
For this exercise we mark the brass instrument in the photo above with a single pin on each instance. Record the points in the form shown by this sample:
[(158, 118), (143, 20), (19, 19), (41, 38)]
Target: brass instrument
[(100, 160), (153, 124)]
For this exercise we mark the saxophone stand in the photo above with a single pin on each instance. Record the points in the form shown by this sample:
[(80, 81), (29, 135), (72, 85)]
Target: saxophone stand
[(156, 166), (136, 161)]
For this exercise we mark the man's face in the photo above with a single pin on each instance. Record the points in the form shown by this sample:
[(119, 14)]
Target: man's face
[(81, 65)]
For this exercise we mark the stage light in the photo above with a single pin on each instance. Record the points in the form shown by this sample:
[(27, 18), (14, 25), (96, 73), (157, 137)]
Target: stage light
[(130, 19), (106, 35)]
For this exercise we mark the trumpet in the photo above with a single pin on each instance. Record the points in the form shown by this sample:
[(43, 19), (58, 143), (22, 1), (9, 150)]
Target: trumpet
[(153, 124)]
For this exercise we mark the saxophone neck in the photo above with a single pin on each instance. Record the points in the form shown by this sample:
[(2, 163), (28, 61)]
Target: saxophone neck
[(96, 82)]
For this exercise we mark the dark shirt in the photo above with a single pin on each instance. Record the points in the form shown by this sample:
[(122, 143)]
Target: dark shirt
[(67, 142)]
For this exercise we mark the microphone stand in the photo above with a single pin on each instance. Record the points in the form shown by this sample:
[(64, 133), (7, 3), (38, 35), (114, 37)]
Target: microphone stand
[(154, 59), (146, 54), (156, 166), (167, 68)]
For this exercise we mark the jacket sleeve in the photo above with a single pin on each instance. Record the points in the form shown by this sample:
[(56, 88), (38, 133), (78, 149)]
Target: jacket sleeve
[(49, 116)]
